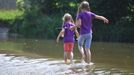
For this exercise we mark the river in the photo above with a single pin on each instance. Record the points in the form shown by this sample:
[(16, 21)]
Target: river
[(45, 57)]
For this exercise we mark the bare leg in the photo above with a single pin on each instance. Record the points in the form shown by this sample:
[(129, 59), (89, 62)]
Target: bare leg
[(65, 57), (82, 53), (71, 57), (88, 54)]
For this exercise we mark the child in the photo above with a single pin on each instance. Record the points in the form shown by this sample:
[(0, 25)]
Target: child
[(68, 37), (84, 21)]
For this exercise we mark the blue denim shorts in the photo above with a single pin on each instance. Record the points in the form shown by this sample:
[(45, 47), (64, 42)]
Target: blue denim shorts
[(85, 40)]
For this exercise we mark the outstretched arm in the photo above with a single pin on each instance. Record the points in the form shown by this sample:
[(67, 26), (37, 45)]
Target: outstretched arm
[(60, 34), (102, 18)]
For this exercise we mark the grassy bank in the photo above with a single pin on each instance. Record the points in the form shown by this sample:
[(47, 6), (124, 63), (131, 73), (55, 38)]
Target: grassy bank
[(9, 14)]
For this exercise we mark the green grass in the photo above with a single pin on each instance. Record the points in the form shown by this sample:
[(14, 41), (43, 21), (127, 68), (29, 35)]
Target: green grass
[(9, 14)]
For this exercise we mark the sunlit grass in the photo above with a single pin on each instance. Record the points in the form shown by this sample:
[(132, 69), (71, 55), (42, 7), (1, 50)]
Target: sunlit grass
[(9, 14)]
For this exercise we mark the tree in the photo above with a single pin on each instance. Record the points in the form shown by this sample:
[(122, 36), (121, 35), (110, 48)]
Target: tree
[(113, 9), (42, 17)]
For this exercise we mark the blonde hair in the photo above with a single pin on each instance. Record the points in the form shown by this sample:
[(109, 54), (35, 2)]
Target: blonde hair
[(67, 17), (84, 5)]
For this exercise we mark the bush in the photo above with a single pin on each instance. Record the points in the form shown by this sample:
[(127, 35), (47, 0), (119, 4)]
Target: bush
[(122, 31), (42, 26)]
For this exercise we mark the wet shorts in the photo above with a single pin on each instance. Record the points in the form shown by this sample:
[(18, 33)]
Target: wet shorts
[(68, 47), (85, 40)]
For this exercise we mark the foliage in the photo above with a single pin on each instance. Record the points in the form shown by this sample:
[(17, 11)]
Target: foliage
[(7, 18), (41, 21), (120, 14), (42, 18), (113, 9), (9, 14), (120, 31)]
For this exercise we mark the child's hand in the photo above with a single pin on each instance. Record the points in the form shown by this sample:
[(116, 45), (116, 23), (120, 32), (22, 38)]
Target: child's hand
[(72, 28), (106, 20), (62, 35), (77, 38)]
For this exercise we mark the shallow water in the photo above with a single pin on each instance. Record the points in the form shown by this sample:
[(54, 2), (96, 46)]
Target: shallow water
[(45, 57)]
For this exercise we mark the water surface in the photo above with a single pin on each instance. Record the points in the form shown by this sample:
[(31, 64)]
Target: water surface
[(45, 57)]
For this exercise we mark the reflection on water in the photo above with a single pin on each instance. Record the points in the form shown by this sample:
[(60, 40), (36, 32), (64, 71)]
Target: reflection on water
[(25, 66), (109, 58), (12, 65)]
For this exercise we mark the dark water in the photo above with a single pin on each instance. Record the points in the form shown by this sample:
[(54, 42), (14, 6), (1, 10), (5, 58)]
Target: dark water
[(45, 57)]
